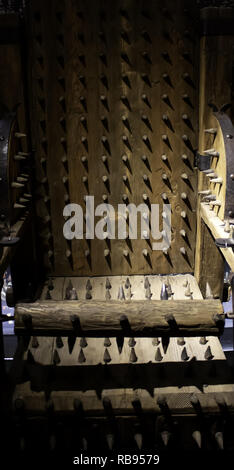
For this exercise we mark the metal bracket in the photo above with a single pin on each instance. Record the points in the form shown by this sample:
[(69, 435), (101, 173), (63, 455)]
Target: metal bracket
[(224, 242), (202, 162), (9, 241)]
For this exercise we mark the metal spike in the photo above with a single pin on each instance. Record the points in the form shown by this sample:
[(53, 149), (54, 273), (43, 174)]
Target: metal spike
[(158, 355), (34, 343), (212, 130), (131, 342), (108, 284), (108, 294), (110, 441), (125, 159), (227, 226), (59, 342), (184, 355), (133, 357), (19, 206), (127, 283), (73, 294), (219, 439), (221, 402), (139, 440), (183, 233), (169, 289), (126, 80), (155, 342), (184, 158), (148, 293), (195, 401), (146, 283), (170, 319), (211, 152), (14, 184), (106, 356), (83, 342), (56, 358), (183, 250), (164, 294), (20, 134), (88, 285), (145, 253), (19, 157), (180, 341), (126, 253), (165, 435), (215, 203), (68, 289), (120, 343), (145, 198), (203, 340), (87, 253), (107, 342), (196, 435), (188, 291), (208, 354), (217, 180), (206, 192), (121, 295), (164, 196), (81, 357), (48, 295), (129, 294), (162, 403)]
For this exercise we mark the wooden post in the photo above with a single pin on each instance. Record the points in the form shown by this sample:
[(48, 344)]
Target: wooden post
[(216, 48)]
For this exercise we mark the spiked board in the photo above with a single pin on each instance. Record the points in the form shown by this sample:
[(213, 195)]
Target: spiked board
[(117, 367), (115, 118)]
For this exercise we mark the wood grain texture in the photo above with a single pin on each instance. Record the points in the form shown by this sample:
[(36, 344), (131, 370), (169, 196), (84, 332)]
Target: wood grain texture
[(214, 92), (115, 70), (120, 380), (101, 318), (209, 261), (216, 227)]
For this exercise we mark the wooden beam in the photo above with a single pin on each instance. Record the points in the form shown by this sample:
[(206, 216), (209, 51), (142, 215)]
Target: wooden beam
[(141, 318), (209, 262)]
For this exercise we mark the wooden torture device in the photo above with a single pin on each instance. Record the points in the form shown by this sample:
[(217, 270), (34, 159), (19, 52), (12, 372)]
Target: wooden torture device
[(118, 343)]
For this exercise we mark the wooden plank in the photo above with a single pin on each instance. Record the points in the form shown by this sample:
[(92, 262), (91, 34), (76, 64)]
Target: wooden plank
[(145, 318), (178, 400), (131, 51), (209, 262), (216, 227)]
